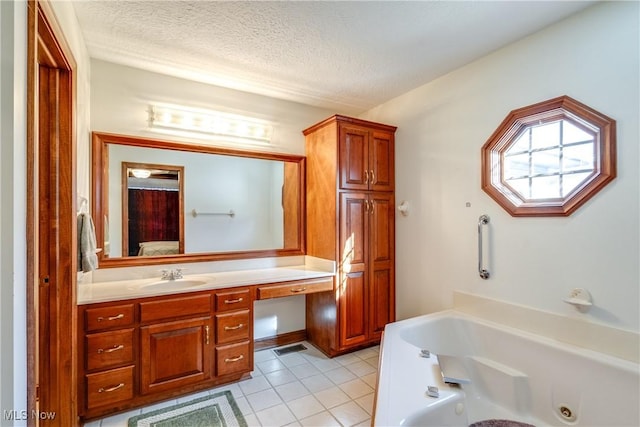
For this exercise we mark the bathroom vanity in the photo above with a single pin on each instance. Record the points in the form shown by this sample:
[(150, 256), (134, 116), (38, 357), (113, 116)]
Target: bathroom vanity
[(142, 341)]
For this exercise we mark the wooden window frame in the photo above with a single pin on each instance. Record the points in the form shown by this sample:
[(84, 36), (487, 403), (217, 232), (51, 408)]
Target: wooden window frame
[(561, 108)]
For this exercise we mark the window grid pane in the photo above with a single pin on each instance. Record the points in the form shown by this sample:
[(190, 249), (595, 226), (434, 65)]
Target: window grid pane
[(541, 165)]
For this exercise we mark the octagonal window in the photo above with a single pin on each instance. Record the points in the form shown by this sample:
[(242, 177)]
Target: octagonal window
[(549, 158)]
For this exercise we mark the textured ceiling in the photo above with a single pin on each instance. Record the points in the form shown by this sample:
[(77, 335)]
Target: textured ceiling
[(346, 56)]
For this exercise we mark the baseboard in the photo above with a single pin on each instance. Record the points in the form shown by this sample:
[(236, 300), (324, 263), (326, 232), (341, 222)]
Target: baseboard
[(280, 340)]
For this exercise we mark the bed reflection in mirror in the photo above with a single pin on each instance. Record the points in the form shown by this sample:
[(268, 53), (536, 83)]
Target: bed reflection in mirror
[(152, 209)]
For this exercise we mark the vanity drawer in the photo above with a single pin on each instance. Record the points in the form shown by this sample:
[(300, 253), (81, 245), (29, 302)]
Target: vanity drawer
[(233, 300), (233, 358), (299, 287), (108, 349), (169, 308), (232, 326), (109, 317), (109, 387)]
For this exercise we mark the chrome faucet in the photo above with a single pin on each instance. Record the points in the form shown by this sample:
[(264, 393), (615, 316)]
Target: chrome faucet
[(172, 274)]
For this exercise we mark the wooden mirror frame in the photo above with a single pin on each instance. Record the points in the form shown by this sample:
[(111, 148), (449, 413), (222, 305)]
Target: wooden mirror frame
[(561, 108), (100, 197)]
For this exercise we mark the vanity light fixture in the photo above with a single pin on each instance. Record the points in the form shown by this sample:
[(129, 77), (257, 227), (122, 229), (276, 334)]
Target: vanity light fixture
[(141, 173), (201, 122)]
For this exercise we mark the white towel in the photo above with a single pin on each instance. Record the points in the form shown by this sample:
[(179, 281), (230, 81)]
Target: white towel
[(87, 248)]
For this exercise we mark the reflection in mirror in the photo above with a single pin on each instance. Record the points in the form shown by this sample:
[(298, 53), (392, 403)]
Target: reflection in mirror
[(232, 204), (152, 206)]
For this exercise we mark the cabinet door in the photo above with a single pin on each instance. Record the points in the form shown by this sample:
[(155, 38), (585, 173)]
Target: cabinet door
[(381, 162), (352, 286), (381, 263), (174, 354), (354, 158)]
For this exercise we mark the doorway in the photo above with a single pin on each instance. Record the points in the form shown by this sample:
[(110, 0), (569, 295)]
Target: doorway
[(51, 221)]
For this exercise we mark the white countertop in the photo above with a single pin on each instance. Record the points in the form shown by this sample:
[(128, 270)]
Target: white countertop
[(139, 288)]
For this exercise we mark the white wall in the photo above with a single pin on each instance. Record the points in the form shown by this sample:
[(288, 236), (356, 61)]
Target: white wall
[(121, 95), (13, 88), (120, 98), (212, 183), (592, 57), (13, 194)]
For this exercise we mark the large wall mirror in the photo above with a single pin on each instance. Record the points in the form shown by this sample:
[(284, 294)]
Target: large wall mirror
[(157, 201)]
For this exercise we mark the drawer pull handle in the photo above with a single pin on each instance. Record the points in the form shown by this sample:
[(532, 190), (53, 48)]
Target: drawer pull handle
[(297, 290), (234, 359), (110, 389), (206, 335), (111, 350), (119, 316), (231, 328), (233, 301)]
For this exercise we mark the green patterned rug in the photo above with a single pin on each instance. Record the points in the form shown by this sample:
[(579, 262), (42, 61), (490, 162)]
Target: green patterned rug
[(217, 410)]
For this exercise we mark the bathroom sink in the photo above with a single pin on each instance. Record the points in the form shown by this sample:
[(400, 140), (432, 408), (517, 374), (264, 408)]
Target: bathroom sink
[(186, 282)]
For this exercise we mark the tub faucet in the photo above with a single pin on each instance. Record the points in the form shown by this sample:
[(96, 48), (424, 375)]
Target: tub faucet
[(172, 274)]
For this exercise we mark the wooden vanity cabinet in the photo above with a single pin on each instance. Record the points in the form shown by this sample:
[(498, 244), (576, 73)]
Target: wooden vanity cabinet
[(351, 220), (108, 344), (149, 349), (175, 342), (234, 332)]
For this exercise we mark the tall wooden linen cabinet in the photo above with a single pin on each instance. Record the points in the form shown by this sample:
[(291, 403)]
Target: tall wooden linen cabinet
[(350, 220)]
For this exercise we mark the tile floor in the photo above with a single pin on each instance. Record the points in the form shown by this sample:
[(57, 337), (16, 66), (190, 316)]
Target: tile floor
[(303, 388)]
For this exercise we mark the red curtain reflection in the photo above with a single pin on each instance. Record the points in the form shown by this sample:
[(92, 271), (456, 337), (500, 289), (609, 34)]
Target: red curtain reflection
[(153, 216)]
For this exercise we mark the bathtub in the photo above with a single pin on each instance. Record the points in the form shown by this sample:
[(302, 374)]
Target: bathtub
[(513, 374)]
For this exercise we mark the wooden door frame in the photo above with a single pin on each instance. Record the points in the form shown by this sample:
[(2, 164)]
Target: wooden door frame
[(51, 220)]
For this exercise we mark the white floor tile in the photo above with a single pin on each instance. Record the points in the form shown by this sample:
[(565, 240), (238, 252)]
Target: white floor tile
[(366, 402), (332, 397), (192, 396), (370, 379), (356, 388), (349, 414), (346, 359), (324, 419), (158, 405), (276, 416), (325, 365), (317, 383), (305, 370), (292, 391), (305, 406), (340, 375), (252, 420), (254, 385), (361, 368), (263, 400), (243, 405), (119, 420), (292, 359), (270, 366), (280, 377), (263, 356), (305, 388)]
